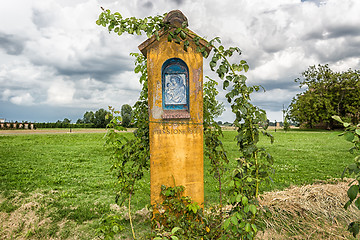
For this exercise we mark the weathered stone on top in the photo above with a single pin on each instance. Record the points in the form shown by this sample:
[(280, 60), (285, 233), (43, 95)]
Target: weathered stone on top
[(176, 18)]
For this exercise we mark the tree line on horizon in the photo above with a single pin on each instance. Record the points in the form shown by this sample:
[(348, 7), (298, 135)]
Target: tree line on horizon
[(97, 119)]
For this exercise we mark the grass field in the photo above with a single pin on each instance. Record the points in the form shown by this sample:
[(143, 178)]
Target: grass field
[(59, 185)]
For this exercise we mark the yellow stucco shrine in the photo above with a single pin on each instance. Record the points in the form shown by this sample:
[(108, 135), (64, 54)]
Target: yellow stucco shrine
[(175, 83)]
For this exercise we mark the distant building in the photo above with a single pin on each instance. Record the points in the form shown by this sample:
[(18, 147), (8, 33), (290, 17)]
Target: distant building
[(15, 125)]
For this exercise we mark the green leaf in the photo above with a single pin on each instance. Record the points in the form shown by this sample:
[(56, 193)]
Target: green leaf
[(337, 118), (354, 228), (226, 224), (115, 229), (244, 200), (157, 35), (349, 136), (137, 69), (234, 220), (177, 40), (352, 166), (238, 198), (357, 203), (183, 35), (230, 78), (246, 209), (246, 67), (347, 204), (226, 84), (353, 192), (174, 238), (357, 131), (174, 230), (253, 226), (205, 54), (169, 38), (247, 227), (212, 65), (253, 209)]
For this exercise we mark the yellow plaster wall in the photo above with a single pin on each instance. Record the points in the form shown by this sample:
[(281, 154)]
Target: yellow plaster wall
[(176, 145)]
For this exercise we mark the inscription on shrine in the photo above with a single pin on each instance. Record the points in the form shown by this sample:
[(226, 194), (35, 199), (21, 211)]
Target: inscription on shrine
[(177, 131), (175, 114)]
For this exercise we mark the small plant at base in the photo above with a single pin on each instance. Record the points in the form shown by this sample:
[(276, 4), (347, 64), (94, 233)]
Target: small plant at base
[(110, 226), (180, 214), (352, 134), (166, 235)]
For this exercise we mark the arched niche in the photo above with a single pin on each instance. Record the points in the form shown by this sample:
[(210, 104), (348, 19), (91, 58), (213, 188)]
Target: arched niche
[(175, 88)]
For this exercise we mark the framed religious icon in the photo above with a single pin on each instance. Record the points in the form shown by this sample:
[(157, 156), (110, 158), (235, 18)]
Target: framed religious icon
[(175, 88)]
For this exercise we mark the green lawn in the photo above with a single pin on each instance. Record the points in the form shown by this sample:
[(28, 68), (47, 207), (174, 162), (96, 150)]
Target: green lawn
[(300, 157), (68, 174), (70, 170)]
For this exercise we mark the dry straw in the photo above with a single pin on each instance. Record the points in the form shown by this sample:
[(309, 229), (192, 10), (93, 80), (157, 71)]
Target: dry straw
[(309, 212)]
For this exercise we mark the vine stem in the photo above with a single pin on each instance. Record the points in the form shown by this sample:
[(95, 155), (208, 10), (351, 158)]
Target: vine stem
[(257, 167), (220, 191), (131, 223), (256, 173)]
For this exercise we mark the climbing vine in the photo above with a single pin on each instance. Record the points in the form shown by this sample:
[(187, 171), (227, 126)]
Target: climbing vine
[(352, 134), (131, 156)]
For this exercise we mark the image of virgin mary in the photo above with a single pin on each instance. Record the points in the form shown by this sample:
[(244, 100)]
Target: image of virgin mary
[(175, 89)]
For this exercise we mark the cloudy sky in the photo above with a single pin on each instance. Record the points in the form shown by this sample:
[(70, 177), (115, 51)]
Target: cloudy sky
[(56, 63)]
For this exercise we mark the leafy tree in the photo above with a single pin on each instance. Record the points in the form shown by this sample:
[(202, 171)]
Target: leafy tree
[(328, 93), (126, 115), (66, 121), (97, 119), (100, 119), (89, 117)]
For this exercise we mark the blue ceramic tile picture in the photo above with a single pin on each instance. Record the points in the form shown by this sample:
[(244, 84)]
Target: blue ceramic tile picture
[(175, 89), (175, 84)]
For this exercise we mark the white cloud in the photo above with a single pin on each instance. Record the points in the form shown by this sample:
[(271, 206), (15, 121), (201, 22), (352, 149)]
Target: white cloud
[(60, 93), (24, 100), (267, 97), (17, 97), (282, 64)]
